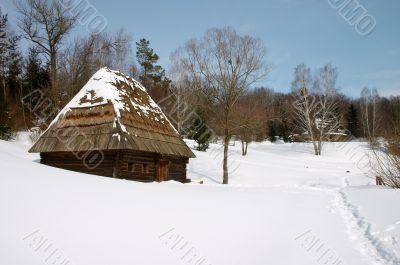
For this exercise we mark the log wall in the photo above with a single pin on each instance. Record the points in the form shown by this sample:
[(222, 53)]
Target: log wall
[(177, 169), (138, 166), (97, 163), (125, 164)]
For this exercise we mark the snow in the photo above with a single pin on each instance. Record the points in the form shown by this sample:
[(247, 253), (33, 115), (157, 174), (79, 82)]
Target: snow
[(283, 206), (102, 88)]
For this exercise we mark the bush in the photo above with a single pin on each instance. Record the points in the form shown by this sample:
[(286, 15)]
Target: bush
[(272, 132), (386, 163)]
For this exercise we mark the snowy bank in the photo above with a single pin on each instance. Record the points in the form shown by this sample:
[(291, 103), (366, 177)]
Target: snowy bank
[(292, 208)]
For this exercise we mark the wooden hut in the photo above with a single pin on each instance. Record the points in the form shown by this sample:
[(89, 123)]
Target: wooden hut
[(113, 128)]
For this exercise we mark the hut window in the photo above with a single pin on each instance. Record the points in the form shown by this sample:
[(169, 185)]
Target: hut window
[(138, 168), (130, 167)]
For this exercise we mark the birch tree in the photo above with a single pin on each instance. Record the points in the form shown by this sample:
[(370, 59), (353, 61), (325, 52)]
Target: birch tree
[(369, 117), (329, 118), (305, 105), (316, 105)]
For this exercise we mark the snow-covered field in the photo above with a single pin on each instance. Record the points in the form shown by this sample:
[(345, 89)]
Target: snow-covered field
[(282, 206)]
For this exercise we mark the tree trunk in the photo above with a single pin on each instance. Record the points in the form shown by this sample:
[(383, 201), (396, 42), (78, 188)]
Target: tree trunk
[(5, 98), (319, 147), (225, 166), (53, 70), (314, 142), (321, 137), (22, 105), (244, 147), (315, 147)]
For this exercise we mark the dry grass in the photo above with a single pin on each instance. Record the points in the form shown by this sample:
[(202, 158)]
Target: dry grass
[(386, 161)]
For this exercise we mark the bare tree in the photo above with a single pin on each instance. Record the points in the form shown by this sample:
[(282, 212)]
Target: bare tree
[(185, 99), (84, 56), (316, 106), (329, 118), (369, 116), (250, 118), (228, 64), (76, 65), (46, 23), (113, 50), (183, 105), (305, 105), (384, 137)]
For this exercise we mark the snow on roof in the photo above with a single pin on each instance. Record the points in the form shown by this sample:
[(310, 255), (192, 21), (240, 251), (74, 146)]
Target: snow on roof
[(112, 111), (102, 88), (123, 92)]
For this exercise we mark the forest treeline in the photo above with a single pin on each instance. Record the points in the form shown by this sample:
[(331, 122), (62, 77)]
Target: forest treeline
[(210, 92)]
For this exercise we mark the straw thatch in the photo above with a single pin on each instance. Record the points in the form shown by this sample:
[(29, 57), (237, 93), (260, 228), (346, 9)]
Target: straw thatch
[(112, 112)]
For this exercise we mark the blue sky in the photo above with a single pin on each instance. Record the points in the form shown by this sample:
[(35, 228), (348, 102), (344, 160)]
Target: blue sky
[(294, 31)]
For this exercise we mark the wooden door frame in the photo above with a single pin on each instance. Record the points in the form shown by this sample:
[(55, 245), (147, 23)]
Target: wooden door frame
[(162, 170)]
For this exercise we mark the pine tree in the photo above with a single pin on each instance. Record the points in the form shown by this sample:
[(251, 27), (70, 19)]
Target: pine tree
[(200, 134), (5, 119), (14, 67), (284, 131), (36, 76), (272, 132), (353, 121), (3, 52), (5, 130), (153, 76), (146, 57)]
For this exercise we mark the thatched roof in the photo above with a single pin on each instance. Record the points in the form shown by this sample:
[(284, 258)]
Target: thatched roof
[(112, 111)]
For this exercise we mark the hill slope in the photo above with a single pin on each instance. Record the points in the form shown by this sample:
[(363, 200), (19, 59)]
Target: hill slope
[(283, 206)]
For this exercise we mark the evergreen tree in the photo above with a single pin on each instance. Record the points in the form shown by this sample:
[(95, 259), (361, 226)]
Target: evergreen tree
[(36, 76), (10, 59), (201, 134), (5, 119), (284, 131), (3, 52), (153, 75), (353, 121), (5, 130), (272, 132), (14, 67), (146, 57)]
